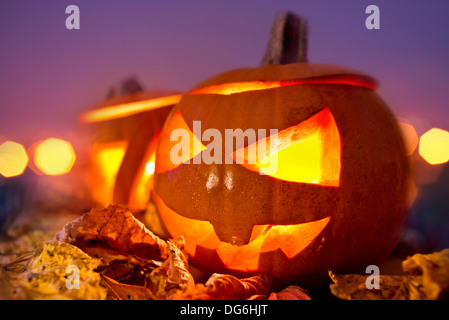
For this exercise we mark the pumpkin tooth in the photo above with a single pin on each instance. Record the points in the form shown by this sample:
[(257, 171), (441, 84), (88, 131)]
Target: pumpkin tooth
[(238, 235)]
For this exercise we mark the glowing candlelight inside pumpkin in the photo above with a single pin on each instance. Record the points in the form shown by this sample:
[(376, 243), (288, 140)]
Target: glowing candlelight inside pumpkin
[(308, 152), (127, 126), (143, 182), (290, 239), (106, 158)]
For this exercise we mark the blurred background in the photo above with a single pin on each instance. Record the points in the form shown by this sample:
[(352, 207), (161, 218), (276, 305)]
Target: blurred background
[(49, 75)]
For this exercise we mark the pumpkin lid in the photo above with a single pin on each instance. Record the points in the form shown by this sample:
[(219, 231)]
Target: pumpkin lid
[(293, 71), (131, 103), (134, 97)]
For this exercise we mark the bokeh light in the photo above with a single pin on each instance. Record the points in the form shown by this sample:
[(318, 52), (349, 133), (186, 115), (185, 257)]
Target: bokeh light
[(411, 138), (13, 159), (434, 146), (54, 156)]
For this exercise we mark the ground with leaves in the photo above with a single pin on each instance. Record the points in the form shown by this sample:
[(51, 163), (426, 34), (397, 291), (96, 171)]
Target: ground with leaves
[(119, 258)]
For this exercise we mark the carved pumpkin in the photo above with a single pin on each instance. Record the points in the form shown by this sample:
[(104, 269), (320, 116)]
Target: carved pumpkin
[(337, 200), (126, 131)]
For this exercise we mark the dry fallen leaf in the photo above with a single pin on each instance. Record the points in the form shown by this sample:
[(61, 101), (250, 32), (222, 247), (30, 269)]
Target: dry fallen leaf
[(230, 287), (175, 268), (426, 278), (116, 228), (43, 274), (119, 258), (128, 269), (433, 270), (133, 258), (226, 287), (11, 249), (290, 293), (173, 273), (353, 287), (123, 291)]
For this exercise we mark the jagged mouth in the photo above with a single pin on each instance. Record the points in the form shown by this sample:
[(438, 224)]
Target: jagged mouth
[(289, 239)]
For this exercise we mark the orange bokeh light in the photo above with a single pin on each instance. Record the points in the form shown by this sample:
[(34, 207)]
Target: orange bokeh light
[(434, 146), (54, 156), (410, 136), (13, 159)]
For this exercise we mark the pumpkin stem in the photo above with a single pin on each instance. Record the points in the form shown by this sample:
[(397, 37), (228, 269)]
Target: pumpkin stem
[(130, 85), (287, 41)]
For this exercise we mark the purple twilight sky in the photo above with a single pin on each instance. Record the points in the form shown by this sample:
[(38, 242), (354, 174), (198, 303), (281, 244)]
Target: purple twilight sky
[(49, 74)]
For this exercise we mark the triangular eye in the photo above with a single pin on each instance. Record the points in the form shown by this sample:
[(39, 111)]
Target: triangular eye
[(167, 146), (308, 152)]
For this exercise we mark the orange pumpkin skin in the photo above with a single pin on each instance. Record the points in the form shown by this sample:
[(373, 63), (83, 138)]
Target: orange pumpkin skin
[(359, 215)]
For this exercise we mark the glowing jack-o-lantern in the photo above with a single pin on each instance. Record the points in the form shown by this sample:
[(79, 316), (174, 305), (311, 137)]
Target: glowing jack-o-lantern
[(122, 156), (337, 200)]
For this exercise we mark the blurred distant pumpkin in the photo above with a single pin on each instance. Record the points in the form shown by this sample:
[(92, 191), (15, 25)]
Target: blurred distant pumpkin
[(126, 131), (338, 198)]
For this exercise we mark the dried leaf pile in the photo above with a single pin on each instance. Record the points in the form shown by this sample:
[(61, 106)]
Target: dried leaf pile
[(43, 274), (426, 278), (119, 258)]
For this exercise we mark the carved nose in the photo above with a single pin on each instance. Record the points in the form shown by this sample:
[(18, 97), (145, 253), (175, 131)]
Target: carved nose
[(233, 232), (228, 224)]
